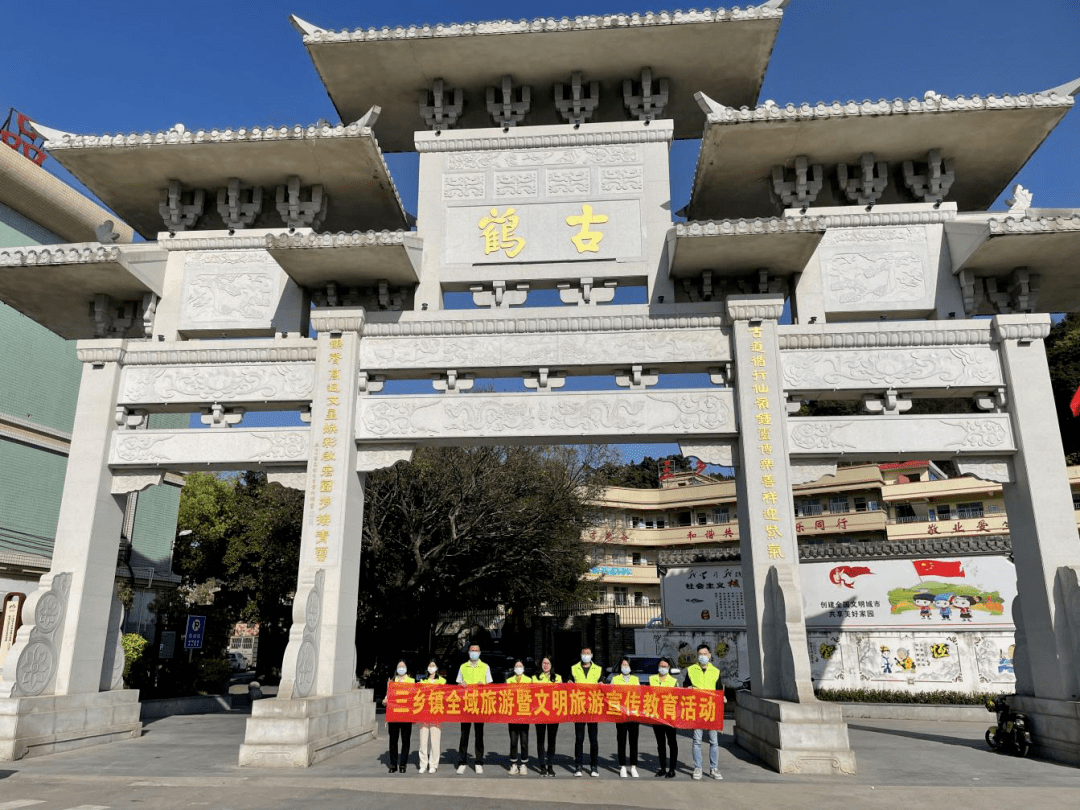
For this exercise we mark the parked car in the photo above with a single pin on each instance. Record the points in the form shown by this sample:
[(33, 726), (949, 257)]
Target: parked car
[(237, 662), (645, 665)]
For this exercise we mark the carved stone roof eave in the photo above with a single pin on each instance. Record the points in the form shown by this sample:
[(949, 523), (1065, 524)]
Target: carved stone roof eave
[(783, 245), (356, 259), (541, 321), (1030, 225), (342, 239)]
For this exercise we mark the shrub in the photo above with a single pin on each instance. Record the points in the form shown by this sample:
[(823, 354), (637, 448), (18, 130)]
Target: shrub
[(937, 697), (136, 663)]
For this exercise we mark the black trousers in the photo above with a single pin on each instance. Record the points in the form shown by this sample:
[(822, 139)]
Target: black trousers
[(519, 736), (666, 734), (622, 732), (579, 744), (548, 731), (463, 746), (402, 732)]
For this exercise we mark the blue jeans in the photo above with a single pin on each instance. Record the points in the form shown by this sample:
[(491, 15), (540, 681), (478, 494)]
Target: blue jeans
[(714, 749)]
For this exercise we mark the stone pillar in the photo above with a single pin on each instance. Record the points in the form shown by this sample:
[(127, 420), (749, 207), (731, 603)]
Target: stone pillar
[(1045, 545), (780, 721), (319, 711), (53, 696)]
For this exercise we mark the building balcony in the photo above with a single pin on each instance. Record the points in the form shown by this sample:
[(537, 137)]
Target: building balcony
[(624, 574), (909, 528)]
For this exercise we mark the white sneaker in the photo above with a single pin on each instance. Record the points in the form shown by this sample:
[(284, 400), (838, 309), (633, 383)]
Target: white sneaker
[(523, 769), (622, 771), (697, 773), (578, 772), (479, 768), (432, 769), (715, 774), (514, 769), (633, 771), (594, 772), (461, 768)]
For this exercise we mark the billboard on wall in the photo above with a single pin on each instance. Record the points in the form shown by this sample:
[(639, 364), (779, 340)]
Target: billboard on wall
[(930, 593)]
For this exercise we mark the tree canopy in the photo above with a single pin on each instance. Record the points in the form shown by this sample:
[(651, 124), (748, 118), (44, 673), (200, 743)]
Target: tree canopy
[(1063, 355)]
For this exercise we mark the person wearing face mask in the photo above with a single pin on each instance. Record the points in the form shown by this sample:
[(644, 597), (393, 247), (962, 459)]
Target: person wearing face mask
[(666, 744), (628, 729), (519, 732), (546, 731), (472, 673), (703, 675), (399, 731), (431, 733), (586, 672)]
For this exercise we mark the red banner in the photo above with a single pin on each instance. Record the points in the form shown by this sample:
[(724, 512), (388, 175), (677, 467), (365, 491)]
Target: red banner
[(555, 703)]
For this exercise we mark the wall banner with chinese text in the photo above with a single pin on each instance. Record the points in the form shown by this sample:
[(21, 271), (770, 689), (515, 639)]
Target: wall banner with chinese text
[(555, 703)]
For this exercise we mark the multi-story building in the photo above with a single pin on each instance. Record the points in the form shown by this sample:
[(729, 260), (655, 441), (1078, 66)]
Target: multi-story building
[(40, 376), (902, 501)]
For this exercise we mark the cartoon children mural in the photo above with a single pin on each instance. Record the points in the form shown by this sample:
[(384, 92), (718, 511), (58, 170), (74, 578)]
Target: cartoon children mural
[(886, 663), (923, 601), (963, 603), (943, 603), (904, 660)]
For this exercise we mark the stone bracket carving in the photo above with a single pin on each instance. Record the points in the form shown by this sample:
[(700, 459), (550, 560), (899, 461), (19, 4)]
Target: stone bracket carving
[(587, 294), (510, 108), (452, 383), (106, 234), (806, 471), (544, 379), (124, 483), (642, 100), (1020, 292), (218, 416), (720, 453), (239, 206), (635, 379), (699, 289), (371, 457), (112, 663), (988, 469), (573, 103), (32, 660), (992, 401), (932, 185), (499, 296), (803, 190), (130, 418), (390, 300), (867, 186), (180, 209), (299, 207), (887, 404), (370, 383), (290, 477), (149, 310), (114, 318), (441, 107), (721, 374)]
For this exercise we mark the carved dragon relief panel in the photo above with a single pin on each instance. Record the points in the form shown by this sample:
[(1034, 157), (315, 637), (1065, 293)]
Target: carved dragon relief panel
[(230, 287), (233, 447), (903, 435), (877, 268), (577, 156), (218, 383), (555, 418), (929, 368)]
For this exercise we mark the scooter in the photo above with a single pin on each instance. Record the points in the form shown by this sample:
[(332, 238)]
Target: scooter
[(1010, 735)]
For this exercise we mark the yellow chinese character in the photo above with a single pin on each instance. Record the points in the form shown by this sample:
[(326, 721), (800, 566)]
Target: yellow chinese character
[(756, 346), (333, 388), (755, 331), (435, 700), (769, 497), (770, 514), (327, 471), (330, 428), (613, 704), (774, 551), (766, 464), (762, 403), (541, 704), (326, 486), (584, 240), (331, 413), (336, 343), (524, 701), (322, 537), (328, 455), (764, 434), (596, 701), (759, 376), (333, 402), (768, 480), (453, 702), (758, 360), (764, 418), (761, 388), (335, 374), (773, 532), (498, 231), (669, 702), (577, 702), (419, 701), (506, 701), (335, 358), (707, 710), (329, 441), (324, 501), (632, 702), (322, 520), (472, 701), (320, 554), (688, 707), (558, 703), (650, 706), (487, 702), (765, 449)]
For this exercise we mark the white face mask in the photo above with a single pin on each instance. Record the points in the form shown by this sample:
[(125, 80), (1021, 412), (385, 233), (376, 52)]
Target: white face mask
[(474, 655), (626, 670), (433, 669), (703, 660), (586, 659), (662, 670), (401, 670), (519, 670)]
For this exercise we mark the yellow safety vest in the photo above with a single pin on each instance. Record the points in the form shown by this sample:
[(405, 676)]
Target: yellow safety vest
[(474, 674), (703, 679), (404, 679), (543, 678), (433, 682), (625, 680), (519, 679), (668, 680), (579, 675)]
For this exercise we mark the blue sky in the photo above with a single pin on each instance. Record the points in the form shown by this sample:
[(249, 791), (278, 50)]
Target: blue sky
[(130, 67)]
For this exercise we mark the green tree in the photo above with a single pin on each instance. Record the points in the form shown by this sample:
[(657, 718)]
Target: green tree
[(1063, 355), (643, 475)]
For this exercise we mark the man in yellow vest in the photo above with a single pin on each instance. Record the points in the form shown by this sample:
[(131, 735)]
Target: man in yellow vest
[(703, 675), (472, 673), (586, 672)]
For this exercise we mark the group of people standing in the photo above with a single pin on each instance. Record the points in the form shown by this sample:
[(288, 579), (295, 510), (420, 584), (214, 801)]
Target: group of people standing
[(701, 675)]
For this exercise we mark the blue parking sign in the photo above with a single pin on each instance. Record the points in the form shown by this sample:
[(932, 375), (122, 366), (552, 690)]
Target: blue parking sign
[(193, 635)]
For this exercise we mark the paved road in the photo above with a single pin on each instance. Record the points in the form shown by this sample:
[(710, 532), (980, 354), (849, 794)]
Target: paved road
[(190, 762)]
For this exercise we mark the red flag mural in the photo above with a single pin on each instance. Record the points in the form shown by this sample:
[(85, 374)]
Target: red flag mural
[(1074, 406), (938, 568)]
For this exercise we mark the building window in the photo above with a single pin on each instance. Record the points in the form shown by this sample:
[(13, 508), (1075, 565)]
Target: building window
[(860, 503), (721, 516), (661, 523), (639, 598), (1076, 501), (637, 558), (682, 519), (620, 594), (993, 508), (702, 518), (905, 514), (974, 509), (838, 504), (943, 511), (808, 508), (931, 515)]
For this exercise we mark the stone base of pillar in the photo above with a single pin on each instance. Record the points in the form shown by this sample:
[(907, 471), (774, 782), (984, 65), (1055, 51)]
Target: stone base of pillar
[(49, 724), (300, 732), (1054, 726), (799, 738)]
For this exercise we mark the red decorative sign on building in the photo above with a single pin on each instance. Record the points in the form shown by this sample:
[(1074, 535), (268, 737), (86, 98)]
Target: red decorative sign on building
[(18, 132)]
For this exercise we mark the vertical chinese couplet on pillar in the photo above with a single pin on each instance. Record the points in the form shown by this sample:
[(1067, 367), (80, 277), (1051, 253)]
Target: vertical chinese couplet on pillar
[(761, 379), (328, 460)]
